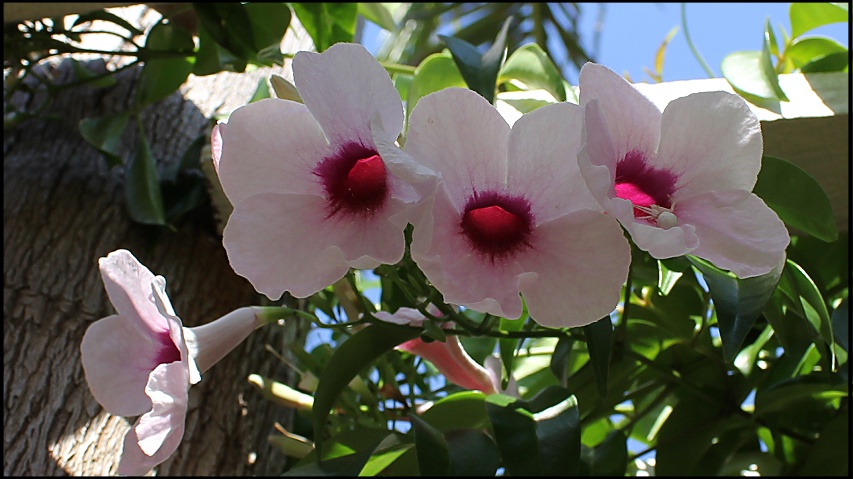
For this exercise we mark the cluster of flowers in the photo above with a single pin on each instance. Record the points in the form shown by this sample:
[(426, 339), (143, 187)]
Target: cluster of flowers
[(499, 212)]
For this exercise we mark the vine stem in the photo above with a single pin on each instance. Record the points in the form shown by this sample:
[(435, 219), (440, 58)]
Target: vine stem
[(693, 47)]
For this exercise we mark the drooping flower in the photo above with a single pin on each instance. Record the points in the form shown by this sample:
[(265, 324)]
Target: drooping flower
[(312, 195), (512, 214), (142, 361), (450, 357), (679, 181)]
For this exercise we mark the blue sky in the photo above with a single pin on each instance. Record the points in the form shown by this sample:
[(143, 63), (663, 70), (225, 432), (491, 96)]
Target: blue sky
[(632, 33)]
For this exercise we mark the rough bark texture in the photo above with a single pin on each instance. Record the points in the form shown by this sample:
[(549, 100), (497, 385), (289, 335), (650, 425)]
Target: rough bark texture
[(64, 209)]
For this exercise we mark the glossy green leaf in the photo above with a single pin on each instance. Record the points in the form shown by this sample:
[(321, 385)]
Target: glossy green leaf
[(560, 358), (669, 272), (464, 409), (435, 72), (610, 458), (378, 13), (747, 73), (432, 449), (386, 453), (355, 354), (348, 463), (599, 340), (805, 50), (480, 71), (738, 302), (105, 134), (327, 23), (142, 187), (228, 24), (808, 16), (472, 453), (834, 62), (770, 37), (161, 77), (508, 346), (806, 297), (686, 435), (790, 394), (796, 197), (532, 66), (269, 23), (515, 434), (830, 453)]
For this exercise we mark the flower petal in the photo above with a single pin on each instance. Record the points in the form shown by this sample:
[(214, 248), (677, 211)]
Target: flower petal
[(128, 284), (210, 342), (453, 362), (116, 361), (575, 270), (270, 145), (634, 121), (712, 141), (737, 231), (168, 387), (664, 243), (463, 276), (134, 462), (597, 157), (343, 87), (458, 133), (543, 162)]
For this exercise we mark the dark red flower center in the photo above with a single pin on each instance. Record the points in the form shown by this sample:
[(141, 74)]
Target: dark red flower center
[(497, 225), (168, 352), (355, 180), (643, 185)]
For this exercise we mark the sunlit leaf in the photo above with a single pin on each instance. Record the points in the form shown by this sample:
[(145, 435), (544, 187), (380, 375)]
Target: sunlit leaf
[(805, 50), (746, 73), (355, 354), (386, 453), (532, 66), (834, 62), (770, 37), (788, 395), (738, 302), (796, 197), (379, 13), (464, 409), (599, 339), (480, 71), (261, 92), (327, 23), (436, 72), (142, 187), (808, 16), (806, 296), (284, 89), (162, 76)]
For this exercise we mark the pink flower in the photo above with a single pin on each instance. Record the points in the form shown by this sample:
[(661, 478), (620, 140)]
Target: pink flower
[(142, 361), (449, 357), (679, 181), (512, 214), (312, 195)]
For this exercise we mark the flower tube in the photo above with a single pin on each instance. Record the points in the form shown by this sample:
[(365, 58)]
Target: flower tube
[(142, 360), (312, 195), (512, 214), (679, 181)]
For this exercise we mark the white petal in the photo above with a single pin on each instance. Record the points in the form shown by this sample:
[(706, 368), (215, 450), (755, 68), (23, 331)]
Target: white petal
[(737, 231), (128, 283), (597, 156), (459, 134), (712, 141), (271, 145), (168, 386), (543, 162), (210, 342), (343, 87)]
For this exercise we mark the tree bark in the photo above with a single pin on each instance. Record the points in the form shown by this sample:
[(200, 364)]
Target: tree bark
[(64, 209)]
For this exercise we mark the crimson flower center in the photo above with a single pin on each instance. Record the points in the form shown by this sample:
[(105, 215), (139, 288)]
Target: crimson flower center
[(497, 225), (168, 352), (355, 181), (642, 184)]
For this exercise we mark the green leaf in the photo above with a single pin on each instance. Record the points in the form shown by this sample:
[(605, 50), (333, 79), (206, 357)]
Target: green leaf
[(669, 272), (472, 453), (435, 72), (539, 437), (107, 17), (355, 354), (83, 73), (834, 62), (228, 24), (269, 23), (806, 297), (686, 435), (532, 66), (432, 449), (379, 13), (465, 409), (841, 324), (284, 89), (508, 346), (163, 76), (262, 91), (104, 133), (805, 50), (327, 23), (808, 16), (599, 341), (830, 453), (479, 71), (790, 394), (796, 197), (560, 358), (771, 38), (610, 458), (142, 188), (749, 76), (386, 453), (738, 302)]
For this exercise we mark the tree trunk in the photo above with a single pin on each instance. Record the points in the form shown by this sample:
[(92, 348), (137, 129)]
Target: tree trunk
[(64, 209)]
